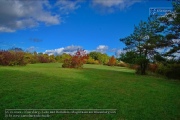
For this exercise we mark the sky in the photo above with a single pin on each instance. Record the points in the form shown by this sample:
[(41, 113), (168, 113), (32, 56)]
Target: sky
[(63, 26)]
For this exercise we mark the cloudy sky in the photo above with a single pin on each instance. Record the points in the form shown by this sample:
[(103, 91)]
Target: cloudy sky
[(54, 27)]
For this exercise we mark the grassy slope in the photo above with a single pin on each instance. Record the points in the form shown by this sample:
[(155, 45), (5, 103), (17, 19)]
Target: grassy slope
[(48, 86)]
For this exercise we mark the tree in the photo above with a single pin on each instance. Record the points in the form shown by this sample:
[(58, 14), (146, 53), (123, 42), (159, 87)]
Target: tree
[(94, 55), (90, 60), (76, 61), (12, 58), (112, 61), (143, 41), (128, 57), (43, 58), (61, 58), (31, 57), (172, 31), (102, 58), (52, 58)]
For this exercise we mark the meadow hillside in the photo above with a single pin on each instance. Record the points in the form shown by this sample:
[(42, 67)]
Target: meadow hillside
[(49, 86)]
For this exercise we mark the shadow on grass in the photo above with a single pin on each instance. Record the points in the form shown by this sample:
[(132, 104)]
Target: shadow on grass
[(134, 97), (31, 90)]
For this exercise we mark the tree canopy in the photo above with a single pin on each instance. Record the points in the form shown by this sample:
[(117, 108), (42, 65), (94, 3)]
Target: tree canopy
[(149, 39), (142, 43)]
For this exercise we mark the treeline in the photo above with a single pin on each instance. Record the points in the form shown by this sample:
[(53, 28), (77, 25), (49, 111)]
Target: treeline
[(12, 58), (19, 57), (155, 45)]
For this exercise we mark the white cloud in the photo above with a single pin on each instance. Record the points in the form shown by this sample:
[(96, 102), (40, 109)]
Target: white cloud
[(167, 49), (112, 5), (5, 29), (163, 50), (72, 48), (66, 6), (31, 49), (108, 3), (58, 51), (21, 14), (177, 54), (69, 50), (176, 41), (113, 50), (118, 52), (102, 48)]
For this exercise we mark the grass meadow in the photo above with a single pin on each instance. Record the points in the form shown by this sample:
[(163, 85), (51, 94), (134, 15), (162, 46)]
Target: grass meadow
[(49, 86)]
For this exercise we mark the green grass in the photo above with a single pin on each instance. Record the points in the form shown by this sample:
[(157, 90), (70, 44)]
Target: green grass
[(48, 86)]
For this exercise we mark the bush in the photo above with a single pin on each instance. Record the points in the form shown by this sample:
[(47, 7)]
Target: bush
[(100, 57), (61, 58), (152, 67), (12, 58), (112, 61), (133, 66), (76, 61), (90, 60), (43, 58), (171, 71), (67, 63), (174, 72)]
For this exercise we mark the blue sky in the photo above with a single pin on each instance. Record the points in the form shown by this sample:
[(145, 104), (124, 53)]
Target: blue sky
[(55, 27)]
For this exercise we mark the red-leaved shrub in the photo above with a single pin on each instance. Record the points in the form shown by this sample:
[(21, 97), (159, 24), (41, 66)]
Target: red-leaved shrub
[(76, 61), (11, 58)]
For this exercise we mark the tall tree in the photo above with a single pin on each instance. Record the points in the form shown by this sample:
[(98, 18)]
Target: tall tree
[(172, 31), (144, 41)]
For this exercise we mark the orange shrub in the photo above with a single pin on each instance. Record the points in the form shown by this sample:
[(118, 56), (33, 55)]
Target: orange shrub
[(112, 61), (76, 61)]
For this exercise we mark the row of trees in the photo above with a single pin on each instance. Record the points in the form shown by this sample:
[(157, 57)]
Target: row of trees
[(150, 39), (17, 56), (11, 58), (80, 57)]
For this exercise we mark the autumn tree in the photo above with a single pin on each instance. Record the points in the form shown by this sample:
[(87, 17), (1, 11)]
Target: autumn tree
[(11, 58), (43, 58), (112, 61), (52, 58), (77, 60), (31, 58)]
